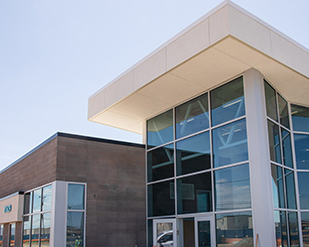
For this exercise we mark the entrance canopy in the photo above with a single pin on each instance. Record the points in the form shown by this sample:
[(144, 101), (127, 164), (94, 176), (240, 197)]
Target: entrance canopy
[(219, 46)]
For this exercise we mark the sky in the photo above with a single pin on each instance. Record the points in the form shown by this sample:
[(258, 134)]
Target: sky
[(55, 54)]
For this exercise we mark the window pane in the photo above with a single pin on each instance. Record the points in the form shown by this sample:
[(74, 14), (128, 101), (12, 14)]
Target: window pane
[(45, 230), (305, 228), (300, 118), (160, 163), (192, 116), (234, 229), (12, 235), (1, 235), (230, 144), (287, 148), (161, 199), (46, 201), (283, 112), (160, 129), (271, 104), (76, 196), (37, 201), (290, 189), (303, 185), (194, 194), (27, 202), (302, 151), (227, 102), (26, 231), (35, 232), (293, 226), (281, 229), (274, 142), (193, 154), (150, 233), (277, 186), (233, 188), (75, 229)]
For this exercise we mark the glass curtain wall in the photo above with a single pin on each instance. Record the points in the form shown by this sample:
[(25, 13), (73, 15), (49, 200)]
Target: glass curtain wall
[(36, 218), (197, 162), (288, 131)]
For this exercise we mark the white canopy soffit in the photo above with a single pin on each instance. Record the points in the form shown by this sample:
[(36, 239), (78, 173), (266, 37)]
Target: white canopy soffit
[(219, 46)]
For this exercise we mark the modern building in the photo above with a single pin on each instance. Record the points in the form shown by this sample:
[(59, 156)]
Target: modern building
[(75, 191), (224, 111)]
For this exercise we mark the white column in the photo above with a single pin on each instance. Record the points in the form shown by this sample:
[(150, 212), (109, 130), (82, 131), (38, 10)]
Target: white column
[(260, 171)]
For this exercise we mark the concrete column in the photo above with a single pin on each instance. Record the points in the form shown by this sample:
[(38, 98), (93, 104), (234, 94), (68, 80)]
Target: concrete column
[(6, 235), (260, 171), (19, 234)]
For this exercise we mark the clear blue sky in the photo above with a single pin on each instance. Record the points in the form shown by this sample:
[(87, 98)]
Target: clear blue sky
[(55, 54)]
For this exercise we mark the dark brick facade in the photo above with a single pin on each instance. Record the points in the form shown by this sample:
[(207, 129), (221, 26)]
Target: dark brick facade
[(115, 176)]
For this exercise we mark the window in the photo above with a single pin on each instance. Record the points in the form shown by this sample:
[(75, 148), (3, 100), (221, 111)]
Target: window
[(75, 215), (12, 235), (302, 151), (1, 235), (300, 118), (271, 102)]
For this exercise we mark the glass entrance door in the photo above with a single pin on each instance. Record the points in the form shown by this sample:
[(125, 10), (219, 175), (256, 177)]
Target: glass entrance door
[(204, 232), (164, 233)]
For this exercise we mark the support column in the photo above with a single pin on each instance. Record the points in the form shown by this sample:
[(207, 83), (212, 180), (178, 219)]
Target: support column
[(260, 171)]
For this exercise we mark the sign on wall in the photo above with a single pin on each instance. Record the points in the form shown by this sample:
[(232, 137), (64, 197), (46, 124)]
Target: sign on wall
[(8, 208)]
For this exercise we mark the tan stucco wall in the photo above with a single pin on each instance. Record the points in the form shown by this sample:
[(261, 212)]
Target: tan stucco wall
[(17, 209)]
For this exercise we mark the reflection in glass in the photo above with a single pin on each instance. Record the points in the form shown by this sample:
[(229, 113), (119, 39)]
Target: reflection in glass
[(194, 194), (161, 199), (232, 188), (230, 144), (37, 201), (300, 118), (26, 231), (227, 102), (192, 116), (305, 228), (1, 235), (35, 232), (160, 163), (165, 234), (274, 142), (75, 229), (286, 148), (271, 103), (76, 196), (277, 186), (281, 229), (160, 129), (150, 233), (283, 111), (204, 234), (290, 189), (45, 230), (12, 235), (302, 151), (234, 229), (293, 229), (46, 199), (27, 203), (303, 187), (193, 154)]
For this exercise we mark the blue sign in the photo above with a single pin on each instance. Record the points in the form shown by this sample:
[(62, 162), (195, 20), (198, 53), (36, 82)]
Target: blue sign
[(8, 208)]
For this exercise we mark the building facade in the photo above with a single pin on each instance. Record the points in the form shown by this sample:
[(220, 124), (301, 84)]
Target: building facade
[(224, 111), (74, 191)]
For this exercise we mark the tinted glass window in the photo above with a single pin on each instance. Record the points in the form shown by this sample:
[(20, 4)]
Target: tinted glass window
[(302, 151), (1, 235), (293, 227), (161, 199), (75, 229), (232, 188), (277, 186), (26, 231), (274, 142), (193, 154), (194, 194), (46, 200), (227, 102), (37, 201), (192, 116), (160, 163), (283, 112), (160, 129), (300, 118), (76, 196), (303, 187), (281, 228), (290, 189), (45, 229), (236, 227), (271, 103), (35, 232), (27, 203), (12, 235), (287, 148), (230, 144), (305, 227)]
